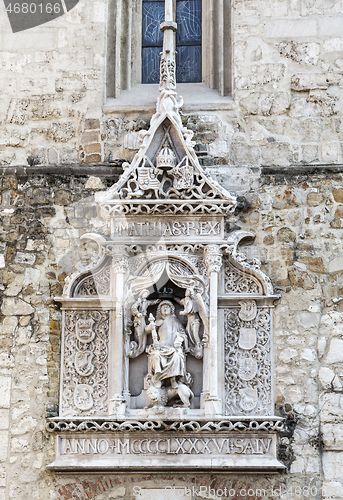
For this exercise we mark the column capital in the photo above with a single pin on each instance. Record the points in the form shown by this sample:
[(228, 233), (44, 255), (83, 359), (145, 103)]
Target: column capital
[(213, 258), (120, 259)]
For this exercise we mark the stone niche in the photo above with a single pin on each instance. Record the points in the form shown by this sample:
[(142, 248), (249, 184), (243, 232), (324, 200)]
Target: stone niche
[(167, 336)]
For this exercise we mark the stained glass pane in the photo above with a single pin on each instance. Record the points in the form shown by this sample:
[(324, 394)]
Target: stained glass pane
[(188, 64), (188, 18), (188, 40), (153, 16), (151, 64)]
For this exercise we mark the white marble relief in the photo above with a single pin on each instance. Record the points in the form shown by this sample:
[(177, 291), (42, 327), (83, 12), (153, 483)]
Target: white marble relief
[(168, 321), (85, 363)]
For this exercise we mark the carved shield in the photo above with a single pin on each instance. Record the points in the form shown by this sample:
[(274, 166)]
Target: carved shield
[(83, 397), (147, 178), (83, 363), (248, 310), (249, 398), (84, 330), (183, 176), (247, 368), (247, 338)]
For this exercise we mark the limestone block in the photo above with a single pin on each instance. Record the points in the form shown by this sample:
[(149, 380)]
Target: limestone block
[(335, 354), (331, 407), (20, 445), (300, 279), (3, 445), (303, 53), (94, 183), (9, 324), (5, 391), (4, 419), (14, 306), (31, 276), (3, 476), (288, 355), (336, 265), (332, 465), (290, 28), (15, 287), (308, 319), (326, 376), (25, 258), (308, 81), (332, 436), (308, 354), (298, 466), (332, 490), (330, 26), (333, 45), (321, 346)]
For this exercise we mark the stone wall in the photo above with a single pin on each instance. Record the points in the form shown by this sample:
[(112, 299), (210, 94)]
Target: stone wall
[(286, 108), (297, 220)]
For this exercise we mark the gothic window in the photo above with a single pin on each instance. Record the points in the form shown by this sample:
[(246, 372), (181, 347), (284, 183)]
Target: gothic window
[(188, 40), (134, 42)]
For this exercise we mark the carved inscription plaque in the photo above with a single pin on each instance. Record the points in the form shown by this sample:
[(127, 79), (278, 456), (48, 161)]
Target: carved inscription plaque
[(168, 228), (165, 451)]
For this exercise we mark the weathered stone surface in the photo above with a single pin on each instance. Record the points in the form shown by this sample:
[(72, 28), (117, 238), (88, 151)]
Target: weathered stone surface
[(335, 354), (15, 306), (300, 279)]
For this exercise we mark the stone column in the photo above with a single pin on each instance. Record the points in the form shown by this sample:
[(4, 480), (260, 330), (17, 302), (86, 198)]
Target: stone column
[(116, 349), (212, 403)]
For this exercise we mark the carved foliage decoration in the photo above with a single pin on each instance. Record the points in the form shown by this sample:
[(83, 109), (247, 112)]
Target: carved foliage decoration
[(237, 281), (94, 285), (85, 364), (247, 363)]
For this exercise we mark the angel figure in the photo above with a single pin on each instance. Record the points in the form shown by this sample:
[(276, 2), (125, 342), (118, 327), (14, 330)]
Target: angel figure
[(194, 308), (138, 312)]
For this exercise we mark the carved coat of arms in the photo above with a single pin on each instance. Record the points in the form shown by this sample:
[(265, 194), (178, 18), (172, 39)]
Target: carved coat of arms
[(247, 368), (249, 398), (183, 176), (83, 363), (147, 178), (84, 330), (83, 398), (247, 338)]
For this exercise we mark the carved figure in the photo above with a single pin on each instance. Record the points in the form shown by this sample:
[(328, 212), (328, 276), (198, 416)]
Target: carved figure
[(194, 308), (167, 357), (138, 311)]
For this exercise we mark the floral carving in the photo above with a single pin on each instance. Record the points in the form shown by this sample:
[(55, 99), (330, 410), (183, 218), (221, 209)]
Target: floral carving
[(247, 363), (95, 284), (227, 425), (237, 281), (213, 258), (85, 363)]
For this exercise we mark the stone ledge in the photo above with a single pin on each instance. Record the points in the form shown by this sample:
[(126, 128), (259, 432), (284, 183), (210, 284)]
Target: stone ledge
[(103, 169), (306, 169)]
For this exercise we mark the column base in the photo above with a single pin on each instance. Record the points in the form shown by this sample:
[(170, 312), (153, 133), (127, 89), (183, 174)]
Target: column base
[(117, 406), (213, 406)]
